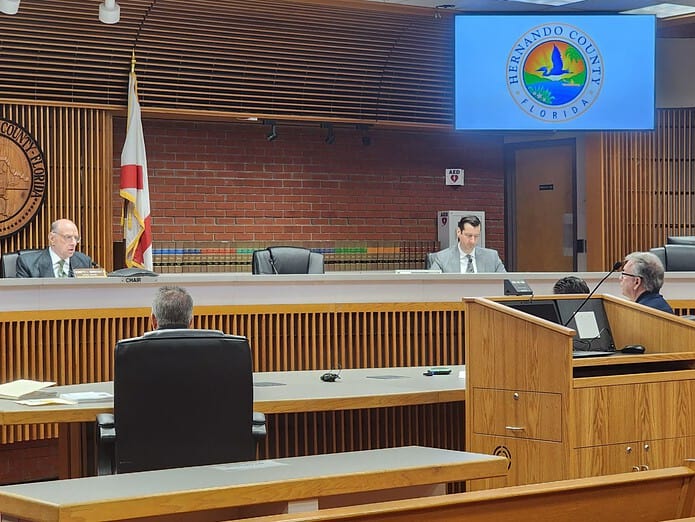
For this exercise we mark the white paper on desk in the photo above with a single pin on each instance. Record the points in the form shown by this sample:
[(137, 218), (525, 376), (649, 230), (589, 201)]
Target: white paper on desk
[(86, 396), (45, 402), (21, 387), (587, 327)]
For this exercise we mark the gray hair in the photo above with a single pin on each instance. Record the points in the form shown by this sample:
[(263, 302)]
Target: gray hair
[(172, 307), (649, 268)]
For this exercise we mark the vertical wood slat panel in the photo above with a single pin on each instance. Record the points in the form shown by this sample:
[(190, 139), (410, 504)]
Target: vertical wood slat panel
[(649, 181), (77, 147)]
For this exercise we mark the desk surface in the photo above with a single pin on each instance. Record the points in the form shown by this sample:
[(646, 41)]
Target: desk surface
[(283, 392), (198, 488), (225, 289)]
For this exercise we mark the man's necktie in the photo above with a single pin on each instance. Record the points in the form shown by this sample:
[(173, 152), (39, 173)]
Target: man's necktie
[(469, 266), (61, 265)]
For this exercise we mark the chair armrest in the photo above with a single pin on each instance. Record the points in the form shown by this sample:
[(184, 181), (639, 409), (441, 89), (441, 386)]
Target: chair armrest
[(106, 442), (258, 429)]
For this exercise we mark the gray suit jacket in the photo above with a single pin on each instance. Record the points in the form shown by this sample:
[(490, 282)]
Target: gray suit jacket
[(38, 263), (449, 260)]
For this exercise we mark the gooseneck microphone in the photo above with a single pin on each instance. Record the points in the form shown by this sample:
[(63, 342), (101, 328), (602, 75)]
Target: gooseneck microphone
[(616, 266)]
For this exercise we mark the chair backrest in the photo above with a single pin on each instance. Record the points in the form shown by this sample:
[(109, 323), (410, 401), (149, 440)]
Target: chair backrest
[(182, 398), (660, 252), (429, 260), (8, 264), (679, 258), (680, 240), (286, 260)]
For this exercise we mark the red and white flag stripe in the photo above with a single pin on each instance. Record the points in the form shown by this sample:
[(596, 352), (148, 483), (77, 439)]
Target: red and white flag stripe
[(137, 226)]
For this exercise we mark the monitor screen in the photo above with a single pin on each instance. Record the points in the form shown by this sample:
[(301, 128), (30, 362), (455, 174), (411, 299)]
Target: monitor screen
[(545, 309), (591, 324), (552, 72)]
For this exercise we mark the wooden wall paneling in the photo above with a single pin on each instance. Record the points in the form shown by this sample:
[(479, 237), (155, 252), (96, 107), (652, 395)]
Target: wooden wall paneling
[(77, 147)]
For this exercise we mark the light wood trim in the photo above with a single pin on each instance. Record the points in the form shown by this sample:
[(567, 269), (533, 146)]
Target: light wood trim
[(199, 501), (649, 495), (634, 377)]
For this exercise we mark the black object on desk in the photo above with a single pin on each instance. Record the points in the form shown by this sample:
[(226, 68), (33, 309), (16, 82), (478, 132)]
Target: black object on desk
[(633, 348)]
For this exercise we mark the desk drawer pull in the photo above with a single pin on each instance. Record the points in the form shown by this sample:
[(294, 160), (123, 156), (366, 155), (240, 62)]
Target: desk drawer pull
[(514, 428)]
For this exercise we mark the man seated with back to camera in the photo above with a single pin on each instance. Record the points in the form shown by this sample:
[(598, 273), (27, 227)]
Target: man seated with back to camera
[(172, 307), (465, 256), (642, 278), (61, 256), (570, 285)]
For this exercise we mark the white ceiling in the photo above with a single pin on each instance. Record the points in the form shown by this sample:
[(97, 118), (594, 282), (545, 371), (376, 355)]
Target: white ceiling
[(519, 6)]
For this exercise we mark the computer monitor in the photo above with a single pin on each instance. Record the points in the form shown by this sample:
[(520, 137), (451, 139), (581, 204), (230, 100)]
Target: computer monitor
[(543, 308), (590, 323)]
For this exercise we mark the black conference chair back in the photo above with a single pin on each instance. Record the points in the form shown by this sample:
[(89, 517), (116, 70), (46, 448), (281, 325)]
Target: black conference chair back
[(182, 398), (286, 260), (8, 265), (679, 258), (680, 240)]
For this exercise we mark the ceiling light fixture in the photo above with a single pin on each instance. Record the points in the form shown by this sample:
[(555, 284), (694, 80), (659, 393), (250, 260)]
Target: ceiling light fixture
[(662, 10), (273, 134), (9, 7), (109, 12), (366, 138), (330, 136)]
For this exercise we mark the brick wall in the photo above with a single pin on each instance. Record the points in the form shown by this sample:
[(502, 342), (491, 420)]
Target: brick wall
[(226, 182)]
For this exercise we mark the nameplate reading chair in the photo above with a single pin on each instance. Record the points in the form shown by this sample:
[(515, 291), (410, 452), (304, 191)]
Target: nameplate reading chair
[(182, 397), (286, 260)]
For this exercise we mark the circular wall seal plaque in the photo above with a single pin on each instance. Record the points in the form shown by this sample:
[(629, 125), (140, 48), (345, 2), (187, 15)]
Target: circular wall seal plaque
[(22, 177)]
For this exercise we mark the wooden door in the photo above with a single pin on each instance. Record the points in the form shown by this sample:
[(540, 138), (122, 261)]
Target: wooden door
[(542, 214)]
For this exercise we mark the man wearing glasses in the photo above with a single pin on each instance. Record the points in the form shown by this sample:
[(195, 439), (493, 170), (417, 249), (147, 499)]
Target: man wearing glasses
[(642, 278), (60, 258)]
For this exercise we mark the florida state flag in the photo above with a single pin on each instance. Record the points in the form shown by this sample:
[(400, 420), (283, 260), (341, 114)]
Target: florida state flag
[(137, 226)]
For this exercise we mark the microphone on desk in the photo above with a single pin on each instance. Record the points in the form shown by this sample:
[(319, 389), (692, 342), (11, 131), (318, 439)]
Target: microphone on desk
[(616, 266)]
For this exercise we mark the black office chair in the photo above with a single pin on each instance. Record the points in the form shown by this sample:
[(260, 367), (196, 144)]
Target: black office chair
[(181, 398), (680, 240), (660, 252), (679, 258), (286, 260), (8, 266)]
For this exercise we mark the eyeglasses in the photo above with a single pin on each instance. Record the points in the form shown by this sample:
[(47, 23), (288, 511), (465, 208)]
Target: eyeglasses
[(70, 237), (628, 274)]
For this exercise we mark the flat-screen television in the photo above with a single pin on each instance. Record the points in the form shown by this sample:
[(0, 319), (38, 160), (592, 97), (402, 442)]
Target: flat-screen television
[(553, 72), (543, 308)]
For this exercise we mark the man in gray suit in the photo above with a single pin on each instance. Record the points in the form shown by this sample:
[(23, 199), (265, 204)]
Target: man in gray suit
[(60, 258), (466, 256)]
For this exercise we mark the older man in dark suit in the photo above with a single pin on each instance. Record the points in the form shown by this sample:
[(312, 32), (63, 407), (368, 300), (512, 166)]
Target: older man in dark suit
[(466, 256), (60, 258)]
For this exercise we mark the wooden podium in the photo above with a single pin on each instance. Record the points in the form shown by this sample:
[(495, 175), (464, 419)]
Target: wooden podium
[(556, 417)]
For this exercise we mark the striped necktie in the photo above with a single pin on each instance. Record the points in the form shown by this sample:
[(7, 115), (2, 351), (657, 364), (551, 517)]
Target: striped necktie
[(469, 266), (61, 266)]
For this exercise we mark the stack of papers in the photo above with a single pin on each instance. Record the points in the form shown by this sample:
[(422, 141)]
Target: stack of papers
[(86, 396), (21, 388)]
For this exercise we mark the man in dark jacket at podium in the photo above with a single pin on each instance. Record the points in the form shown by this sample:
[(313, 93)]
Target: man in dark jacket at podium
[(642, 278)]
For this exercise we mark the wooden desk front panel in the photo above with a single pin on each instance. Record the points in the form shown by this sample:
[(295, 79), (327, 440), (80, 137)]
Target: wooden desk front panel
[(76, 346), (629, 412)]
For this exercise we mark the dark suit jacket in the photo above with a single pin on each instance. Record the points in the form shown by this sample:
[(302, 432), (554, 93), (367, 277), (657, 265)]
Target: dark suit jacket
[(449, 260), (655, 300), (38, 263)]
